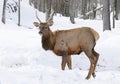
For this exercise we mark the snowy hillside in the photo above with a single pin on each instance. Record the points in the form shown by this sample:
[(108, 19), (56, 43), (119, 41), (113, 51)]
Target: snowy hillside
[(23, 60)]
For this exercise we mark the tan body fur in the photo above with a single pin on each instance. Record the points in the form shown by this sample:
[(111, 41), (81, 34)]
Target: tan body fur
[(75, 40)]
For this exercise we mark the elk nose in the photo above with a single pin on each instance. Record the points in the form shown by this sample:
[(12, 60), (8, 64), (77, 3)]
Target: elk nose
[(40, 32)]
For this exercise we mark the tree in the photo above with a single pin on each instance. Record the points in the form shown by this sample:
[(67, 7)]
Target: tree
[(117, 9), (18, 12), (72, 11), (84, 8), (106, 15), (92, 6), (4, 12), (48, 8), (114, 7)]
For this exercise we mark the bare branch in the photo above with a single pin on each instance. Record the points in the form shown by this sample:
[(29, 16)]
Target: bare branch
[(88, 13)]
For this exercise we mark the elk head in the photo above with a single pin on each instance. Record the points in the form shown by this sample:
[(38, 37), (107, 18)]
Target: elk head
[(44, 26)]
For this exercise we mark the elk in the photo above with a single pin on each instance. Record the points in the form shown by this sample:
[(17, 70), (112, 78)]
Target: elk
[(69, 42)]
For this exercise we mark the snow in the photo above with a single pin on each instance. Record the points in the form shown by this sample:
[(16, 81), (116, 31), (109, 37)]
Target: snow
[(24, 61)]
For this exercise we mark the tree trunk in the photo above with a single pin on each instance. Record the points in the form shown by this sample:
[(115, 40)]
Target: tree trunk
[(84, 8), (93, 6), (4, 12), (106, 15), (72, 11), (18, 12), (48, 8), (117, 9), (114, 2)]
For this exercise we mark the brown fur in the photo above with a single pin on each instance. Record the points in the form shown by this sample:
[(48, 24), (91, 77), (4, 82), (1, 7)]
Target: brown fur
[(68, 42)]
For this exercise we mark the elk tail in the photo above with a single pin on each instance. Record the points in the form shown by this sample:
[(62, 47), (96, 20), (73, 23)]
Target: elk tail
[(96, 35)]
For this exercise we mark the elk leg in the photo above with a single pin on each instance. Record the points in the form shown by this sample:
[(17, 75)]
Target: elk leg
[(69, 63), (90, 70), (96, 57), (92, 63), (64, 61)]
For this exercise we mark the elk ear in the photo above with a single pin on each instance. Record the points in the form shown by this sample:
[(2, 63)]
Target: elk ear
[(36, 24)]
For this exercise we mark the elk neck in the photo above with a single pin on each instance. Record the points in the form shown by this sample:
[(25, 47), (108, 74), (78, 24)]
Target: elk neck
[(48, 40)]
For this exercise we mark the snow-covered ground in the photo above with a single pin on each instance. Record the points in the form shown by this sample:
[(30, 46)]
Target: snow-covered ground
[(23, 61)]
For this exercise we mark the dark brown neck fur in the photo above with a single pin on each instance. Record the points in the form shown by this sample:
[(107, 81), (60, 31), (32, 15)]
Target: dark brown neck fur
[(48, 41)]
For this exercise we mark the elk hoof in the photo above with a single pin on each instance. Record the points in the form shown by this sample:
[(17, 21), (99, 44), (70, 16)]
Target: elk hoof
[(87, 78), (93, 74)]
